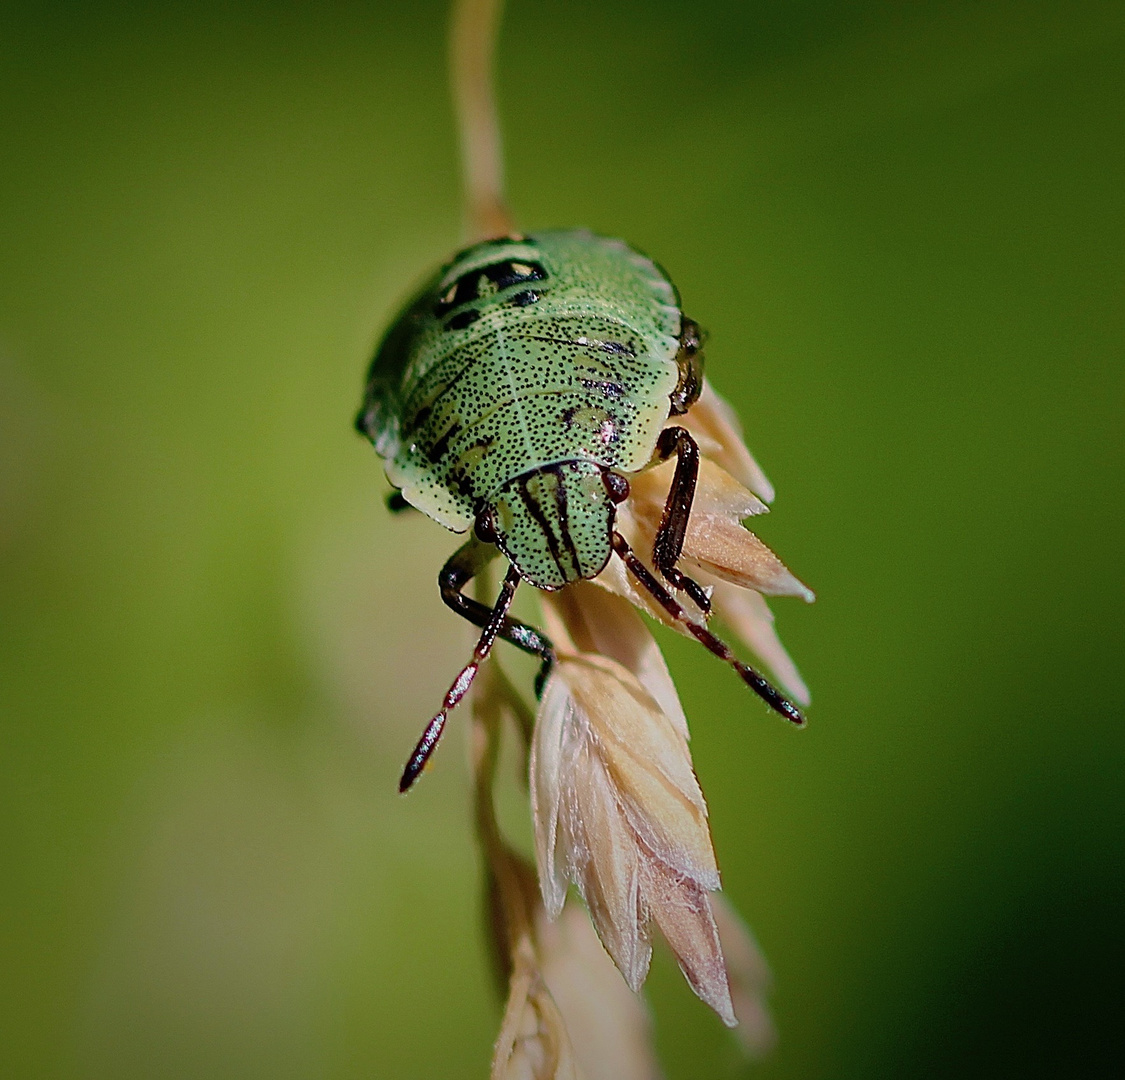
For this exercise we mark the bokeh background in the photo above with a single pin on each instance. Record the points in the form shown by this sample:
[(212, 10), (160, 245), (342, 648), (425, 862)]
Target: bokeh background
[(902, 225)]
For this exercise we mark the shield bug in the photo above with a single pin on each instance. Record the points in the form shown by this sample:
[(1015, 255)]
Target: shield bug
[(514, 396)]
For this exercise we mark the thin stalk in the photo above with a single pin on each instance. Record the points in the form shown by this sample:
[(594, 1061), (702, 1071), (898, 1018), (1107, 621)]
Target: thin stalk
[(472, 40)]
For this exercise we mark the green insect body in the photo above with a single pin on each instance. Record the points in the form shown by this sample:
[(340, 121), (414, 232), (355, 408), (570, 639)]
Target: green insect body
[(525, 370), (514, 396)]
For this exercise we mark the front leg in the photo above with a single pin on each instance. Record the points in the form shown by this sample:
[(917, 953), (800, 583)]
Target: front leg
[(669, 541), (396, 503), (465, 563), (494, 620)]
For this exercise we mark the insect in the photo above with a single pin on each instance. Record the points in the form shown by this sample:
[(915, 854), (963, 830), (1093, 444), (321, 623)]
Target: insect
[(514, 396)]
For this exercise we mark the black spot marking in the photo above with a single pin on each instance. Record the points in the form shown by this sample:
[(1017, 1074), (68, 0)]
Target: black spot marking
[(564, 519), (463, 319), (618, 347), (523, 299), (536, 511), (437, 451), (419, 419), (460, 477), (502, 275), (611, 391)]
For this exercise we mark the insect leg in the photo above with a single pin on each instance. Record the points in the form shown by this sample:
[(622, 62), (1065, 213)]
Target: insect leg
[(463, 566), (758, 683), (396, 504), (429, 740), (677, 511), (690, 362)]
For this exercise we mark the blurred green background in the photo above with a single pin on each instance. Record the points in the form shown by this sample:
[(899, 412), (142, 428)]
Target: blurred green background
[(902, 225)]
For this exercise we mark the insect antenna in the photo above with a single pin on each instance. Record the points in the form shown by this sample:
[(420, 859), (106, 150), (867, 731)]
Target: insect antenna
[(758, 683), (429, 740)]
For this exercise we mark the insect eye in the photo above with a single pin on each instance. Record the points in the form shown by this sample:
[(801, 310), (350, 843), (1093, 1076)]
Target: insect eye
[(616, 486)]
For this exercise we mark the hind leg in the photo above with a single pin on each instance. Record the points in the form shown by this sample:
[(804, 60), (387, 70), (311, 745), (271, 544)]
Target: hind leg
[(677, 512), (465, 564), (757, 682)]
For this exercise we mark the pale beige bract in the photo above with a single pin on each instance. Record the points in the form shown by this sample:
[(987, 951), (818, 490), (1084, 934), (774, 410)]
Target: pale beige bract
[(618, 810)]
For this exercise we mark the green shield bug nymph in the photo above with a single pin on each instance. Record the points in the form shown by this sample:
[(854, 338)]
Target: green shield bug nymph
[(514, 396)]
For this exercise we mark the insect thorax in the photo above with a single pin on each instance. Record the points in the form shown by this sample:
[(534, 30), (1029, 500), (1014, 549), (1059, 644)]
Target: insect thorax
[(519, 373)]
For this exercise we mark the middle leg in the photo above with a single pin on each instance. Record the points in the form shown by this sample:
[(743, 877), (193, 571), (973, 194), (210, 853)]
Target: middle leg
[(464, 565), (493, 626)]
